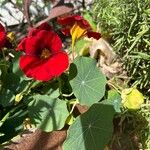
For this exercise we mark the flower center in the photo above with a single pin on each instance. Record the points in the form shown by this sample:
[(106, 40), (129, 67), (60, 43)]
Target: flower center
[(45, 54)]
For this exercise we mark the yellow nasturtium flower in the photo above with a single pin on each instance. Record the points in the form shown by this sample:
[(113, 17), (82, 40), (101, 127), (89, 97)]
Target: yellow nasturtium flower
[(132, 98)]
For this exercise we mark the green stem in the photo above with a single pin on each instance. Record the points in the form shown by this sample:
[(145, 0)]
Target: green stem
[(28, 88), (4, 118), (71, 105), (68, 95), (5, 61), (60, 87), (117, 88), (8, 114), (15, 43), (75, 103), (72, 49), (26, 91)]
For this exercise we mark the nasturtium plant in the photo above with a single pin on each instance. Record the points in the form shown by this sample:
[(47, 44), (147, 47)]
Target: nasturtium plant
[(48, 113), (89, 82), (45, 86), (92, 130)]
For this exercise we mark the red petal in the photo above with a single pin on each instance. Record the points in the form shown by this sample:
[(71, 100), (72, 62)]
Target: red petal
[(66, 31), (33, 45), (66, 20), (86, 24), (77, 17), (59, 63), (95, 35), (2, 36), (54, 43), (2, 39), (45, 26), (21, 45), (82, 21), (32, 32), (70, 21), (33, 68), (2, 29), (44, 70)]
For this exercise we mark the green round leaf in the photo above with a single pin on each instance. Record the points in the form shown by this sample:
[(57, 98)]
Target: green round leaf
[(87, 81), (92, 130), (48, 113)]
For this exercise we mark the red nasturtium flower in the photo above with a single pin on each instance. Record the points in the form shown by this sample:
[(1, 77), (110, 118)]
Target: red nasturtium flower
[(44, 58), (77, 27), (2, 36)]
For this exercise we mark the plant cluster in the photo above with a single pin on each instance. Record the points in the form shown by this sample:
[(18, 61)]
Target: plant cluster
[(41, 85), (126, 24)]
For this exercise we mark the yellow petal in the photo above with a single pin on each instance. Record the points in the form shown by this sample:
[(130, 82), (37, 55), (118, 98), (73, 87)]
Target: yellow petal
[(132, 98), (76, 32), (11, 36), (18, 98)]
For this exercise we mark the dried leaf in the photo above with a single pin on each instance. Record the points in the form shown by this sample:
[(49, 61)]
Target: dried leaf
[(102, 47), (55, 12), (106, 58)]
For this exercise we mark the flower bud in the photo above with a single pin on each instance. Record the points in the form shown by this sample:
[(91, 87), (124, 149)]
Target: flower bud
[(132, 98)]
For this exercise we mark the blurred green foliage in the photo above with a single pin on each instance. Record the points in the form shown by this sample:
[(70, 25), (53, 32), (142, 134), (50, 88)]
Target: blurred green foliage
[(126, 24)]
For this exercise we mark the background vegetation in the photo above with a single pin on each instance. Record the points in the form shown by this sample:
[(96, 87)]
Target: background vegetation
[(126, 24)]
